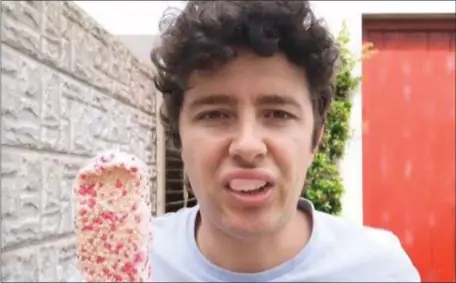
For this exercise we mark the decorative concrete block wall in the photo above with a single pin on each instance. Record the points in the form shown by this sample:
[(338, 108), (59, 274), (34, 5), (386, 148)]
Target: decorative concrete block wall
[(68, 90)]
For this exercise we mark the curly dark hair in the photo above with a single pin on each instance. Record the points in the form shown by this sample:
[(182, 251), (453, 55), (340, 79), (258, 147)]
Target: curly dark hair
[(208, 34)]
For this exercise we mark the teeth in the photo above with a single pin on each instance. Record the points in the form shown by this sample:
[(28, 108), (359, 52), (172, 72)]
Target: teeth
[(246, 185)]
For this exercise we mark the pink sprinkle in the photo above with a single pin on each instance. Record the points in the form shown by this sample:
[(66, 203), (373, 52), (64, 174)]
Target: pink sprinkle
[(119, 184)]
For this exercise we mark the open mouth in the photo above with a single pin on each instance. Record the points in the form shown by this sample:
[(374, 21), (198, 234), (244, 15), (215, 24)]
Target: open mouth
[(250, 190)]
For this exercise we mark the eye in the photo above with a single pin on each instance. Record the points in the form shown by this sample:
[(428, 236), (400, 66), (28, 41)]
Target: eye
[(279, 114), (212, 115)]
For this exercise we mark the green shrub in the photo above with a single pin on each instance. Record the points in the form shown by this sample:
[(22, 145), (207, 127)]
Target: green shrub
[(324, 184)]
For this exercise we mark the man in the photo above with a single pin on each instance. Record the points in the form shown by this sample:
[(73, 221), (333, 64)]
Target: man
[(246, 89)]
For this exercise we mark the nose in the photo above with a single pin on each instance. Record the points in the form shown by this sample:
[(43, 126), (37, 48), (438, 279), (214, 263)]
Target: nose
[(248, 145)]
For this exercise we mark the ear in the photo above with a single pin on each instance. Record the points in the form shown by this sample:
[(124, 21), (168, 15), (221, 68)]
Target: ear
[(320, 134)]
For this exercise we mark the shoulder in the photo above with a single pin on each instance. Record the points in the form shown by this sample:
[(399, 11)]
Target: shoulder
[(172, 255), (170, 231), (173, 220), (378, 252)]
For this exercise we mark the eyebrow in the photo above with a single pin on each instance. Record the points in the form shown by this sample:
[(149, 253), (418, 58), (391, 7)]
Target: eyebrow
[(275, 99), (212, 99), (263, 99)]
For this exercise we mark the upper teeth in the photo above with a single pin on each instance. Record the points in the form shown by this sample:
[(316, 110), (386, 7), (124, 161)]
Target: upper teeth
[(246, 185)]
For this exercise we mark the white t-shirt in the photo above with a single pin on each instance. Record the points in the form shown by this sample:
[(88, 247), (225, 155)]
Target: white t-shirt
[(337, 251)]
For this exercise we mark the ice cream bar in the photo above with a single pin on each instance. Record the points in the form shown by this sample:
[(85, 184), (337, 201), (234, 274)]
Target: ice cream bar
[(112, 219)]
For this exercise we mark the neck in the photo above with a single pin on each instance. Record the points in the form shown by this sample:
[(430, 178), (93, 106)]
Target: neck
[(254, 255)]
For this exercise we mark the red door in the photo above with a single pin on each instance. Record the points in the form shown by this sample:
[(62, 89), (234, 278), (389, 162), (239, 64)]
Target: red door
[(408, 91)]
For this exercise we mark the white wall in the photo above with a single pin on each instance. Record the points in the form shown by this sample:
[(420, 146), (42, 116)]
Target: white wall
[(128, 17), (141, 17)]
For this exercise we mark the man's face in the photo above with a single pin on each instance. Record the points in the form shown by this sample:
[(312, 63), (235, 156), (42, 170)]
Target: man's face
[(246, 132)]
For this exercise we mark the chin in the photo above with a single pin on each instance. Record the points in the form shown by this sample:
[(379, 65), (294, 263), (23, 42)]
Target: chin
[(250, 224)]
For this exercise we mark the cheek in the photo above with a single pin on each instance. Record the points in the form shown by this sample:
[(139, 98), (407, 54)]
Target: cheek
[(293, 156), (200, 153)]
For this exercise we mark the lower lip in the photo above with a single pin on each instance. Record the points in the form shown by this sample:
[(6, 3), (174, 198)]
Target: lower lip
[(249, 199)]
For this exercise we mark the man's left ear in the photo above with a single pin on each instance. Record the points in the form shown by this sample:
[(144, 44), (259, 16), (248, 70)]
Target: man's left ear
[(320, 138)]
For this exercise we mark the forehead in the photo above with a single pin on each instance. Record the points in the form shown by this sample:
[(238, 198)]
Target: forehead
[(250, 78)]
